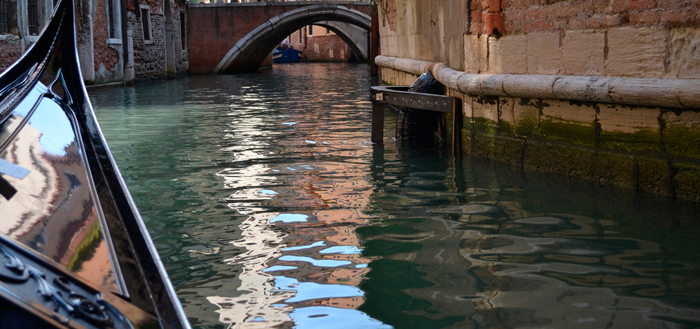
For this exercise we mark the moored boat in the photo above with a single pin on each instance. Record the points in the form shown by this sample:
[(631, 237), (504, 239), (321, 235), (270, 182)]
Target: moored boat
[(74, 251), (286, 55)]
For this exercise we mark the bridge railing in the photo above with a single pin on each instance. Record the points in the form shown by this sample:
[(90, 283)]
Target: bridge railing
[(355, 2)]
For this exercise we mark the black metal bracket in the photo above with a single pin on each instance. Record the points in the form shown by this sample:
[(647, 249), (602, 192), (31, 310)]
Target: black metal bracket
[(52, 295), (400, 96)]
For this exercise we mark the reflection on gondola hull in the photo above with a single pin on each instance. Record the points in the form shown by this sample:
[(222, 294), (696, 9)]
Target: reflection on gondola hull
[(75, 249)]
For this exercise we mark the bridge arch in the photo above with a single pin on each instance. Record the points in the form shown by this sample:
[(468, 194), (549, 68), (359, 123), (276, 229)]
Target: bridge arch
[(354, 36), (249, 52)]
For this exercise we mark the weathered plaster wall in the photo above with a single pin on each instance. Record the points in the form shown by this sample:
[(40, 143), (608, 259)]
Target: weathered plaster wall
[(181, 58), (601, 90), (431, 30), (109, 66)]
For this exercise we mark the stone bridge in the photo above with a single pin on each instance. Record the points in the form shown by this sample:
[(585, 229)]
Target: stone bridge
[(236, 37)]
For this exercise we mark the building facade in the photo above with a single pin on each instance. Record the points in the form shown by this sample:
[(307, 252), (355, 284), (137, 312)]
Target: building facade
[(119, 41), (21, 21), (320, 44)]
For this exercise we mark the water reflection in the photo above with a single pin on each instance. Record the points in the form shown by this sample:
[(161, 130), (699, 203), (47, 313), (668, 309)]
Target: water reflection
[(271, 209), (488, 247), (308, 209)]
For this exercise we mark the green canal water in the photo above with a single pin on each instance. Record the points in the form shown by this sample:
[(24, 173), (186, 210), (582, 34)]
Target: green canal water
[(270, 208)]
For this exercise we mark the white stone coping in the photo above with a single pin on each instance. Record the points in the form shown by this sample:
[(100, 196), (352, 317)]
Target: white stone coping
[(676, 93)]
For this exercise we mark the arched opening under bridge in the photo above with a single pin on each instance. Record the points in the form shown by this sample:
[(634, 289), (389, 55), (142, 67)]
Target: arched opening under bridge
[(236, 37)]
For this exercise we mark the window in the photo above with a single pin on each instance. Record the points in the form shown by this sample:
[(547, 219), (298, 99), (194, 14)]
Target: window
[(111, 19), (311, 30), (301, 31), (146, 23), (114, 24), (4, 16), (183, 31), (328, 31), (33, 17)]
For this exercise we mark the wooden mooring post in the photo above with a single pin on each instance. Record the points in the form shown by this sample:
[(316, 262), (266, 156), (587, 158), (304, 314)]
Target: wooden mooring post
[(401, 97)]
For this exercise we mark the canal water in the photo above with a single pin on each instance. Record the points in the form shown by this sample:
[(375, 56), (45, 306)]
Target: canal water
[(270, 208)]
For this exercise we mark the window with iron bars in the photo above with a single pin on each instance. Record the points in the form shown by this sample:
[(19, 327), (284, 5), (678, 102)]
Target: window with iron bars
[(33, 17), (4, 16)]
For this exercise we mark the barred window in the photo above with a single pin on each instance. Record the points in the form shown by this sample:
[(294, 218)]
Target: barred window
[(33, 17), (4, 16)]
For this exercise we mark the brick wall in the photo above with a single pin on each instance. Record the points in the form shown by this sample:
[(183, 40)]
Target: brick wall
[(329, 48), (647, 39), (630, 38), (320, 47), (217, 38), (213, 30), (10, 50), (525, 16)]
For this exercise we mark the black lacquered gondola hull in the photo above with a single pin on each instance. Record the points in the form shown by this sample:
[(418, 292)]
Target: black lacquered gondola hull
[(63, 204)]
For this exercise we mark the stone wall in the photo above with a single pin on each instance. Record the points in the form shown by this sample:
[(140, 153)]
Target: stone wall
[(149, 57), (600, 90), (650, 148), (181, 57)]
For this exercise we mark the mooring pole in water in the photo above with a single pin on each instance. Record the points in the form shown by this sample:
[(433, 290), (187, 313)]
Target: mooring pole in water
[(374, 42), (457, 127), (377, 118)]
